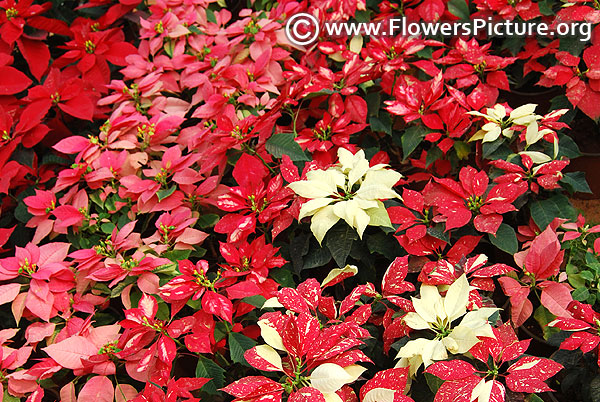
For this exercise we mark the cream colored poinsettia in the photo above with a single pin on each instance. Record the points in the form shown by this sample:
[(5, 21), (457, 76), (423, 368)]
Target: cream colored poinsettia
[(437, 313), (483, 391), (350, 190), (499, 122), (330, 377)]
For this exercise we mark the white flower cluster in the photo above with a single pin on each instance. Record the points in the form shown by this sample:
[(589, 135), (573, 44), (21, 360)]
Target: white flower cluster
[(350, 190), (437, 313)]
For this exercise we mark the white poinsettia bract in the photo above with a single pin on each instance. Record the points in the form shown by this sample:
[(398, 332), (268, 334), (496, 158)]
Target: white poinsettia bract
[(499, 122), (438, 314), (350, 190)]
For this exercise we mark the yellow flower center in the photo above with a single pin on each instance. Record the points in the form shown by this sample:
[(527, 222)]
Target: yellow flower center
[(90, 46), (11, 13)]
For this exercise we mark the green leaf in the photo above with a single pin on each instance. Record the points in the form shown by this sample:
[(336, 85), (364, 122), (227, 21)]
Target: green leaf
[(381, 124), (207, 220), (544, 211), (8, 397), (571, 44), (194, 29), (339, 242), (382, 244), (587, 275), (162, 194), (577, 181), (21, 213), (576, 281), (546, 9), (433, 382), (221, 330), (439, 232), (426, 53), (256, 300), (592, 262), (567, 147), (317, 256), (107, 227), (167, 269), (52, 159), (177, 255), (206, 368), (463, 149), (163, 311), (411, 139), (283, 277), (319, 93), (543, 317), (109, 204), (117, 290), (210, 16), (95, 197), (284, 144), (24, 156), (169, 47), (496, 149), (489, 148), (581, 294), (571, 269), (373, 103), (238, 344), (194, 304), (533, 398), (362, 15), (505, 239), (123, 219), (590, 259), (433, 155), (298, 249), (459, 8), (514, 44)]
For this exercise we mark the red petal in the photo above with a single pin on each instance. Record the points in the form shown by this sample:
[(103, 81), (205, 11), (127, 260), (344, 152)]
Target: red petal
[(81, 107), (12, 81), (36, 54)]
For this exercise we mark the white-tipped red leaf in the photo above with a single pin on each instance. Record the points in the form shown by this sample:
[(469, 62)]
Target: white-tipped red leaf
[(264, 357), (451, 370), (393, 280), (218, 305), (292, 300), (457, 391), (529, 373), (385, 384), (337, 275), (255, 388), (307, 394)]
